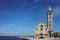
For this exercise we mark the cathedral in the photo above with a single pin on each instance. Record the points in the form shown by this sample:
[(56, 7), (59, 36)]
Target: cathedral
[(43, 31)]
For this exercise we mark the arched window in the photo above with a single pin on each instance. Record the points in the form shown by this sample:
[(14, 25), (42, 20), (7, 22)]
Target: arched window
[(50, 21), (49, 13), (49, 24), (41, 34), (49, 16), (41, 28), (41, 25), (36, 29), (46, 28)]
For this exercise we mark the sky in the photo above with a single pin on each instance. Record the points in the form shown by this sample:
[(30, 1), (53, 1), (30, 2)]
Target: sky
[(20, 17)]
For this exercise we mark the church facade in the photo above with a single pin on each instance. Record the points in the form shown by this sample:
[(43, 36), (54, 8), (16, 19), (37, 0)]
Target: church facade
[(43, 31)]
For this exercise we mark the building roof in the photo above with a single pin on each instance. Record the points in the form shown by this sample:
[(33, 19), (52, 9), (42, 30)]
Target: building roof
[(41, 23), (50, 9)]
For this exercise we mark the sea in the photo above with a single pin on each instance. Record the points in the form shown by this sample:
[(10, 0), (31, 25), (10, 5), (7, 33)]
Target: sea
[(9, 38)]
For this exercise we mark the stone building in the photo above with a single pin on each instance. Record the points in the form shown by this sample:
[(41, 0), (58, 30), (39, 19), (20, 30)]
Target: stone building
[(43, 31), (56, 35)]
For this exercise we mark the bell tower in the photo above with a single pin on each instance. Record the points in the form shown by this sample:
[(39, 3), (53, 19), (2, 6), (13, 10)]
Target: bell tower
[(49, 21)]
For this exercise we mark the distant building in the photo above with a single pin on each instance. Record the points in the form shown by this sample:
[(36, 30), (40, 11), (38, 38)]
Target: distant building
[(43, 31), (56, 35)]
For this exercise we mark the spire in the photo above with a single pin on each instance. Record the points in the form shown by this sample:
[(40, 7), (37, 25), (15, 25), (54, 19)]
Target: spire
[(50, 8)]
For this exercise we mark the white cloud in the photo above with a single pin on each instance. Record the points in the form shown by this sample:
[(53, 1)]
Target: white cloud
[(56, 11), (5, 33), (10, 25)]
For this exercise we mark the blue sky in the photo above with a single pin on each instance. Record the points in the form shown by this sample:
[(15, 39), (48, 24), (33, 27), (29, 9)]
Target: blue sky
[(20, 17)]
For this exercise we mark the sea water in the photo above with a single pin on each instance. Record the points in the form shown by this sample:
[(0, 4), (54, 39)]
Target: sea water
[(9, 38)]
